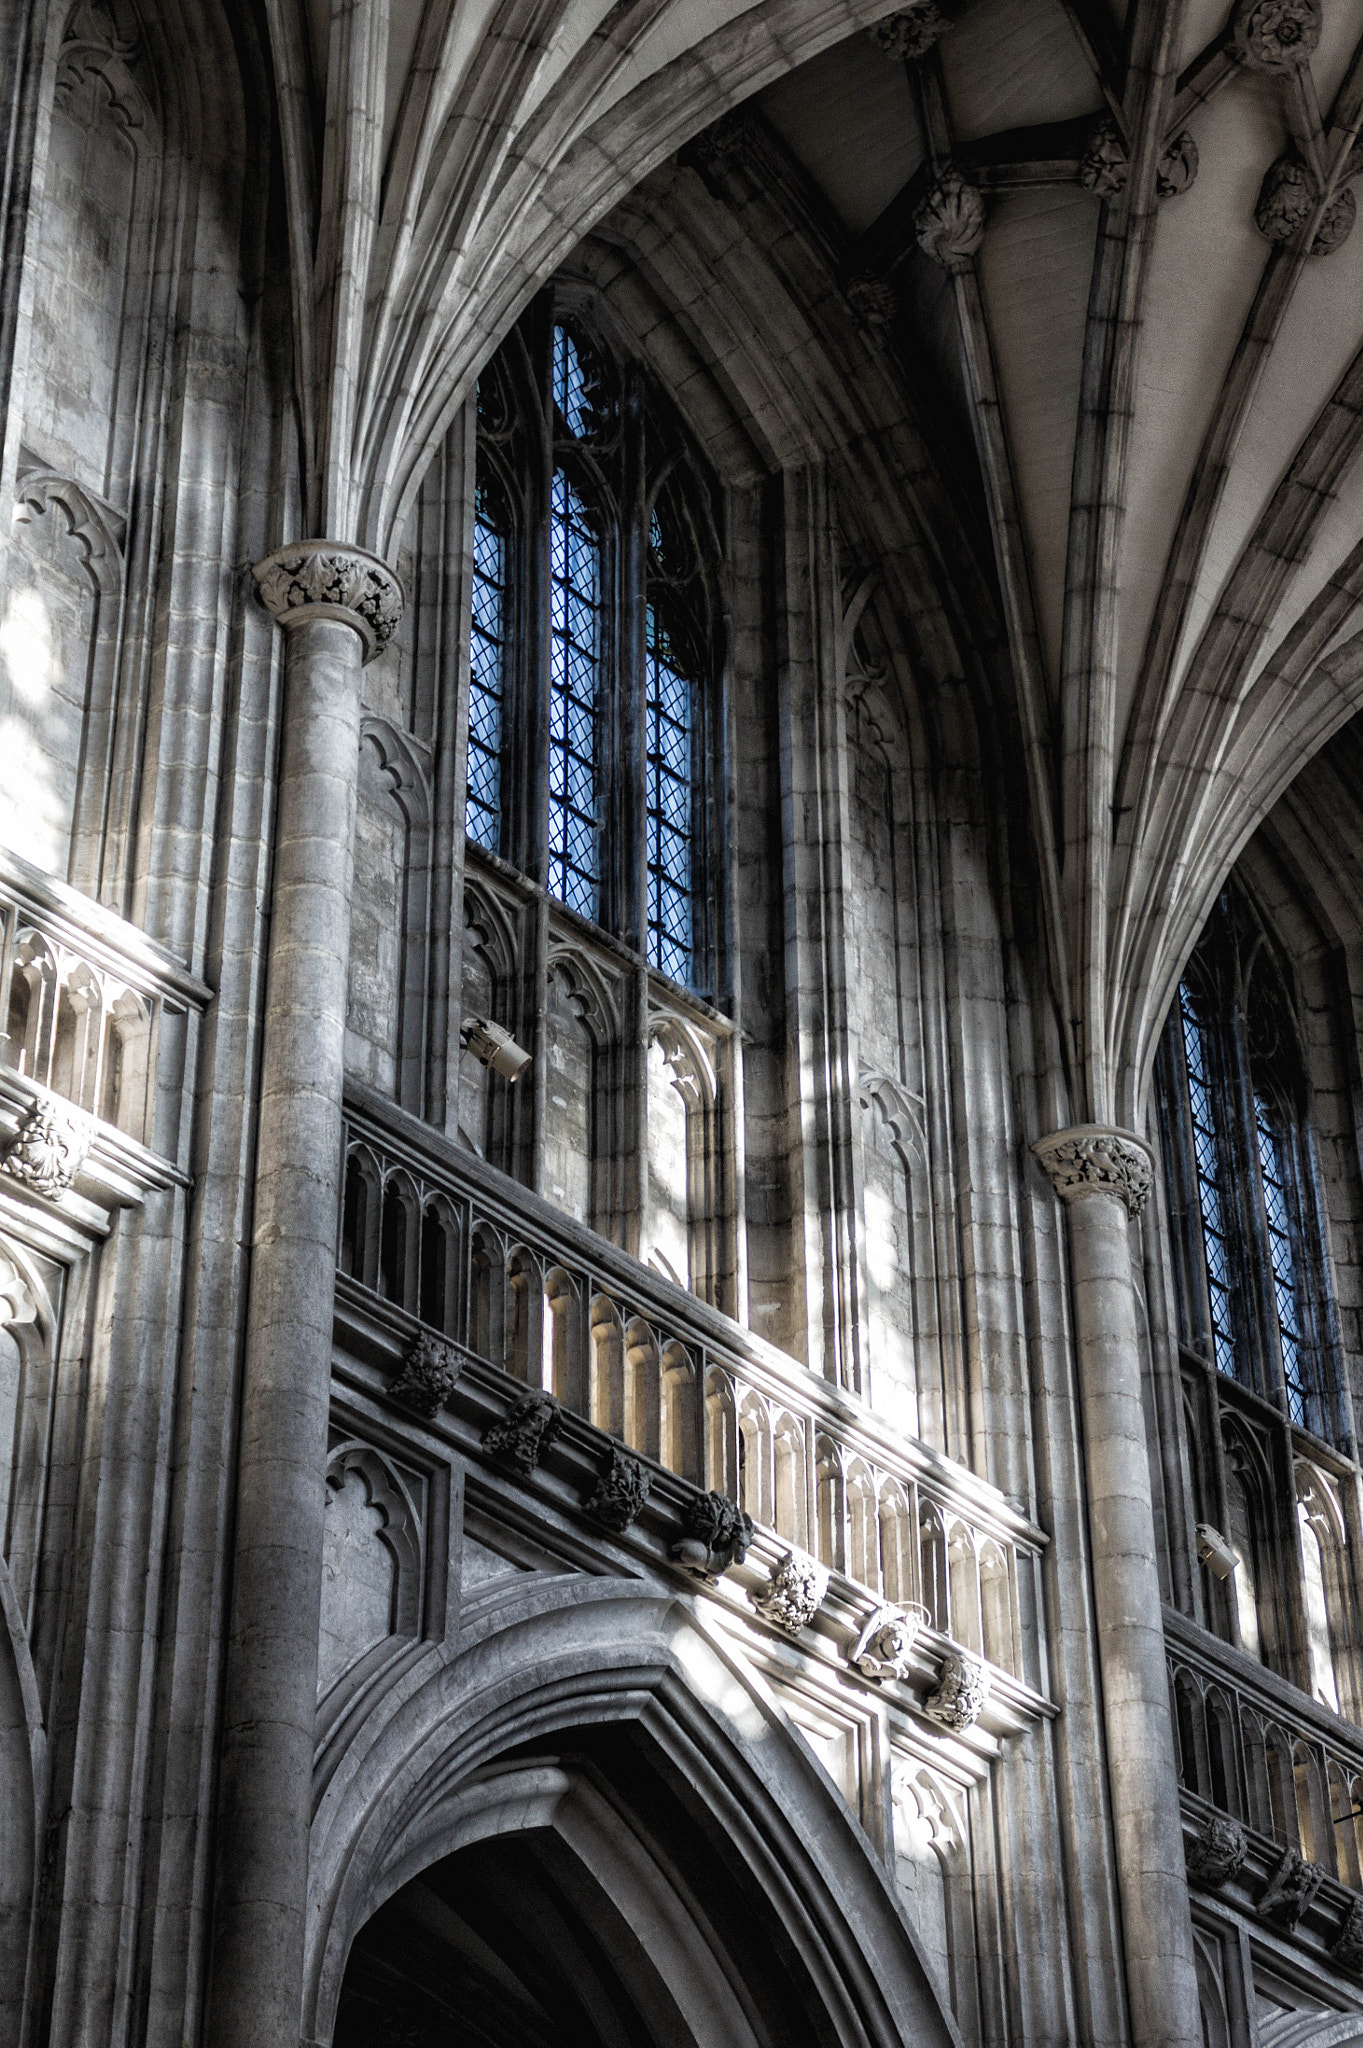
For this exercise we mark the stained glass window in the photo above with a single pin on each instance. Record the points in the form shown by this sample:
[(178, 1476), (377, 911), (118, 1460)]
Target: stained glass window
[(572, 394), (1297, 1376), (1211, 1189), (574, 687), (670, 705), (487, 674)]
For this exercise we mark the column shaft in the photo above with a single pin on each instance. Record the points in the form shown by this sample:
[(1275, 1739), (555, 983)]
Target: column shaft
[(270, 1705), (1142, 1774)]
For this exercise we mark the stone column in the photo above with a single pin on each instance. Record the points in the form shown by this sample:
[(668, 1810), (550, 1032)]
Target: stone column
[(1104, 1176), (338, 606)]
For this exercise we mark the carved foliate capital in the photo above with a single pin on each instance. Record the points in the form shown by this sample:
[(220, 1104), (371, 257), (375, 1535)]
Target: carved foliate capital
[(1291, 1888), (1347, 1950), (620, 1492), (1217, 1851), (429, 1375), (911, 32), (50, 1147), (1095, 1159), (1289, 194), (795, 1592), (525, 1432), (1276, 35), (331, 580), (962, 1693), (949, 222)]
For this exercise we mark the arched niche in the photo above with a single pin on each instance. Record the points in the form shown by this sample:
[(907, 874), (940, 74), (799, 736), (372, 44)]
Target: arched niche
[(581, 1110), (371, 1561), (386, 993), (487, 956), (609, 1751)]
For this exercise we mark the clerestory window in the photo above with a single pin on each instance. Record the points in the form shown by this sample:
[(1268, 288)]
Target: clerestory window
[(591, 720)]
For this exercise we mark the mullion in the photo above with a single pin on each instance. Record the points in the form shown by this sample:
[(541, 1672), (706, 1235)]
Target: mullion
[(574, 694), (1211, 1192), (670, 741)]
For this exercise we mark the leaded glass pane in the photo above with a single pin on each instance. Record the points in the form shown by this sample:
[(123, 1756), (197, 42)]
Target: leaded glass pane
[(487, 676), (1297, 1375), (1211, 1192), (671, 741), (574, 679), (571, 393)]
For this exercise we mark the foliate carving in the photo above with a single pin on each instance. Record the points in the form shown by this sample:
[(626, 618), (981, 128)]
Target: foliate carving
[(1177, 167), (525, 1432), (883, 1648), (911, 32), (795, 1593), (428, 1377), (1291, 1888), (962, 1692), (1347, 1949), (620, 1492), (723, 142), (51, 1147), (1103, 166), (1276, 35), (949, 223), (717, 1535), (1093, 1159), (872, 300), (340, 581), (1289, 195), (1217, 1851)]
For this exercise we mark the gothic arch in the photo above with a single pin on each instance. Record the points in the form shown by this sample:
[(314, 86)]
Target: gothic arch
[(553, 1665)]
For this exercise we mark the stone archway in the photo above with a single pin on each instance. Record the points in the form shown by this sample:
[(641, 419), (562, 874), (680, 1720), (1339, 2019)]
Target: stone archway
[(592, 1824)]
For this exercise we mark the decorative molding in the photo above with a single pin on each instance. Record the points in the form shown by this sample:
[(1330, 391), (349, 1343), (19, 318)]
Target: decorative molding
[(872, 300), (949, 222), (429, 1374), (621, 1491), (1103, 165), (724, 142), (1096, 1159), (795, 1592), (902, 1110), (1347, 1950), (328, 579), (911, 32), (1290, 194), (95, 527), (1216, 1854), (1291, 1888), (962, 1692), (51, 1147), (1276, 35), (525, 1432), (883, 1648), (717, 1535)]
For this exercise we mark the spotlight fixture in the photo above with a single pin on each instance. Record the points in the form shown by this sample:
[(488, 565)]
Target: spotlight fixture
[(1214, 1551), (495, 1047)]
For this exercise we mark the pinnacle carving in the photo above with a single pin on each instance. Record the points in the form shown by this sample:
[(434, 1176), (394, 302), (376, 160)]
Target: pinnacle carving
[(620, 1492), (795, 1593), (525, 1432), (910, 33), (1289, 195), (1291, 1888), (717, 1535), (962, 1692), (1094, 1159), (1217, 1851), (949, 223), (872, 300), (50, 1148), (428, 1377), (884, 1647), (1348, 1946), (333, 580), (1276, 35)]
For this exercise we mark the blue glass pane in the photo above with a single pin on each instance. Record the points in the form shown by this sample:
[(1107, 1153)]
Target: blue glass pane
[(571, 394), (574, 679), (487, 678), (1298, 1377), (1210, 1185), (670, 708)]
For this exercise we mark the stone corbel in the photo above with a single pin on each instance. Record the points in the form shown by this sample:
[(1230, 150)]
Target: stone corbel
[(1096, 1159), (326, 579)]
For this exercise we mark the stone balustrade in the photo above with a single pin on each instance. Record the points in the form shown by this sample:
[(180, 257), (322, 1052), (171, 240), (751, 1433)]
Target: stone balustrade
[(499, 1272)]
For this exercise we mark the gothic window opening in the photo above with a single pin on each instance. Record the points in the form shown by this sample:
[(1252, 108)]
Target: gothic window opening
[(574, 670), (488, 650), (1259, 1350), (671, 731)]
